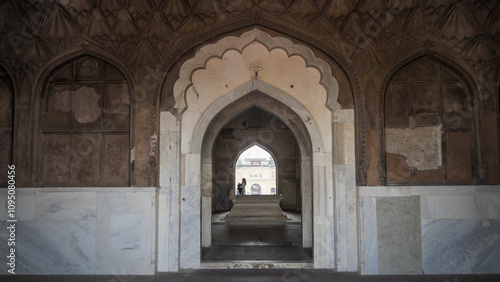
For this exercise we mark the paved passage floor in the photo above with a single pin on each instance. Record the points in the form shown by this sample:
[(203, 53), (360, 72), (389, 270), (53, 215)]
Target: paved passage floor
[(255, 275)]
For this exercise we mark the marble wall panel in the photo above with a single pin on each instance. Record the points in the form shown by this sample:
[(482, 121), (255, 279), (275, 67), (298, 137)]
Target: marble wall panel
[(323, 218), (65, 205), (493, 202), (369, 241), (48, 247), (456, 207), (168, 229), (126, 232), (25, 206), (399, 235), (461, 246), (341, 216), (4, 248), (352, 219), (190, 248)]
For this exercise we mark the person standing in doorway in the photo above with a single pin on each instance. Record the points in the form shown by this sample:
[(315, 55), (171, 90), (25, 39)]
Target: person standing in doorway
[(241, 186)]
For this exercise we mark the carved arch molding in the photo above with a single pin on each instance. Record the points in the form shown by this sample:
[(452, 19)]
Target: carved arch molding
[(171, 97)]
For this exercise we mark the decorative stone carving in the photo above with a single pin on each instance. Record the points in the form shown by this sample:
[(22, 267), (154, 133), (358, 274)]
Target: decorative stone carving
[(239, 43)]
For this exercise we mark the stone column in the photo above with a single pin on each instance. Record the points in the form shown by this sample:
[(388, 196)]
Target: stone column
[(324, 233), (307, 212), (190, 230), (206, 204), (346, 217), (169, 194)]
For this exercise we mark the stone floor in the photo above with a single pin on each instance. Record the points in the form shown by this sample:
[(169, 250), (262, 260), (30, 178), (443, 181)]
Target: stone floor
[(257, 275)]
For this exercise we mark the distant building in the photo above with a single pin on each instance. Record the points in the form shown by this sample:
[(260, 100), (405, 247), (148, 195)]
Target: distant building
[(260, 174)]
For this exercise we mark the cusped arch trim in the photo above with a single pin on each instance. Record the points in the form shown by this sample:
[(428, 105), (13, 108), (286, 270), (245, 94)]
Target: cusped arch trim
[(77, 51), (164, 97), (458, 69), (218, 49)]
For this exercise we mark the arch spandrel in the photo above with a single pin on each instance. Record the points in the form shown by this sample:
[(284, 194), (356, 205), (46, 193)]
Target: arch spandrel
[(217, 50)]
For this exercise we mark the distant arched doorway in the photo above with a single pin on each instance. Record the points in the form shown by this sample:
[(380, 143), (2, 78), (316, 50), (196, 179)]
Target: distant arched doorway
[(257, 166), (230, 133)]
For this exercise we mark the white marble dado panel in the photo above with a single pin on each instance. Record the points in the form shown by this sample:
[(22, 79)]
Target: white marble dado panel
[(125, 242), (168, 229), (346, 217), (25, 205), (323, 217), (65, 205), (461, 246), (479, 206), (399, 235), (369, 241), (404, 191), (190, 232), (84, 230), (52, 247)]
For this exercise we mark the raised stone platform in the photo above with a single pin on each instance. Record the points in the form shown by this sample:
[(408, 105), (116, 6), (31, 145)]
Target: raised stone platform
[(256, 208)]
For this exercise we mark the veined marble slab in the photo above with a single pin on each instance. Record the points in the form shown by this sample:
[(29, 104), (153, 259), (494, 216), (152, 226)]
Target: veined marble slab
[(459, 206), (62, 247), (65, 206), (399, 235), (125, 240), (25, 207), (461, 246), (369, 241), (190, 241), (403, 191)]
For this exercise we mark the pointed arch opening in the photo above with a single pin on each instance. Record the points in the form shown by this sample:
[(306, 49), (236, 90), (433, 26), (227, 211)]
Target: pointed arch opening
[(258, 167)]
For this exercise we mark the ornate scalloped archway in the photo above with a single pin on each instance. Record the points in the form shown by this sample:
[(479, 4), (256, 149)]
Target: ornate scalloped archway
[(220, 79)]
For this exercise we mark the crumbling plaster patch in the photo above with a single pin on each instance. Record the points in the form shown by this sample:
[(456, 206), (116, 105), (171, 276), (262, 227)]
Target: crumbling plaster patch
[(421, 146)]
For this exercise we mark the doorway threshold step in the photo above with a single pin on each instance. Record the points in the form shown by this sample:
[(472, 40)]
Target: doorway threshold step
[(257, 253)]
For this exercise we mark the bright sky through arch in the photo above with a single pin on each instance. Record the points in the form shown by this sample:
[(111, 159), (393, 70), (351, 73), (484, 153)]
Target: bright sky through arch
[(255, 152)]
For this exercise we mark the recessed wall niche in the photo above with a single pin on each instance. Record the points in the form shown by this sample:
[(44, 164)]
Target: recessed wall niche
[(429, 126), (85, 126)]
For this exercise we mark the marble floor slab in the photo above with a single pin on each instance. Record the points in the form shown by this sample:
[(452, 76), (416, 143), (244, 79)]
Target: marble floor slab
[(255, 275)]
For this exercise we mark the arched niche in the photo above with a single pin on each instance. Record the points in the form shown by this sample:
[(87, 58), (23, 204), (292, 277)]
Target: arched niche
[(84, 119), (6, 121), (432, 131), (76, 52)]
